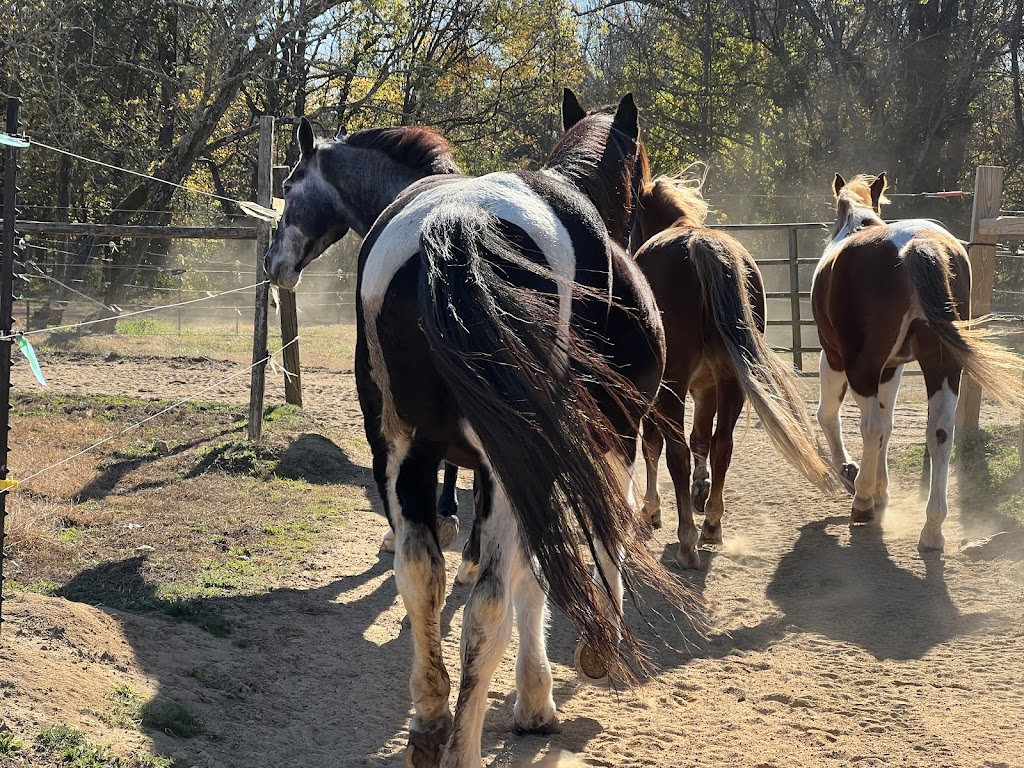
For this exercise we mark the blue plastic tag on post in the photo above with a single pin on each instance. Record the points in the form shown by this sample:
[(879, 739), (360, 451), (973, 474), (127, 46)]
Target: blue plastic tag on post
[(33, 361)]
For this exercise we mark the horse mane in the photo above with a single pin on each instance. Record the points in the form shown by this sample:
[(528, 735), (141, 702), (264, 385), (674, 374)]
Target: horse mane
[(854, 208), (416, 147), (678, 197), (582, 157), (858, 189)]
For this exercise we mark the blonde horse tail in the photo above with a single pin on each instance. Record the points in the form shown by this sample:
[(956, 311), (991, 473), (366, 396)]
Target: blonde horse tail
[(766, 381)]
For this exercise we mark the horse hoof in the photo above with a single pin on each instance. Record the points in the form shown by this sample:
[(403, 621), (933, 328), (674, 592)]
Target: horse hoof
[(711, 534), (388, 544), (546, 728), (699, 493), (447, 531), (862, 515), (931, 541), (427, 742), (467, 572), (848, 474), (688, 559), (589, 667), (653, 518)]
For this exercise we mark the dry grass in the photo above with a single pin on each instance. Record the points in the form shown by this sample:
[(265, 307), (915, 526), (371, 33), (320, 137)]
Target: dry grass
[(321, 346)]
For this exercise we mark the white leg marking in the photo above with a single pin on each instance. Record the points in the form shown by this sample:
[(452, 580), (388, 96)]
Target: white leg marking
[(872, 432), (832, 386), (941, 413), (486, 627), (535, 706), (887, 393)]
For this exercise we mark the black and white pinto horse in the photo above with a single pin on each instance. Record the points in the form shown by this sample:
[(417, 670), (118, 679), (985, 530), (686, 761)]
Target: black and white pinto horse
[(502, 327)]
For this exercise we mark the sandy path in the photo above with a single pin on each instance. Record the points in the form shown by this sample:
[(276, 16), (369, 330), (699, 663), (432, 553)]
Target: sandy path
[(830, 647)]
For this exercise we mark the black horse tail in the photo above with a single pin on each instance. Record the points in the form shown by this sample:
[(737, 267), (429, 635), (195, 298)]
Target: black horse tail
[(994, 367), (766, 381), (491, 316)]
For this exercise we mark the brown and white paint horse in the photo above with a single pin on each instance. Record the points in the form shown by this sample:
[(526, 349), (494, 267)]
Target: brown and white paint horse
[(884, 295), (712, 301)]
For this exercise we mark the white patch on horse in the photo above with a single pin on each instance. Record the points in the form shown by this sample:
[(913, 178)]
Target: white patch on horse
[(900, 233), (503, 195)]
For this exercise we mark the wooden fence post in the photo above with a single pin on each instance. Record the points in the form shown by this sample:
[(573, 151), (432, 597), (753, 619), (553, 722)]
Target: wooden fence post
[(289, 321), (988, 193), (7, 254), (259, 329)]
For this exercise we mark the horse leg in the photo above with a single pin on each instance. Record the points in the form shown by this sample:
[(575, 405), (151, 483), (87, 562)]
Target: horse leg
[(730, 404), (470, 564), (678, 460), (833, 387), (872, 431), (534, 712), (420, 576), (486, 622), (888, 389), (942, 382), (705, 405), (607, 579), (653, 442), (448, 507)]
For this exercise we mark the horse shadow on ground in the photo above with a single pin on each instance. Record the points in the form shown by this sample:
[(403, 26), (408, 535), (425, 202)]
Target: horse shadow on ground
[(859, 595), (313, 677), (851, 593)]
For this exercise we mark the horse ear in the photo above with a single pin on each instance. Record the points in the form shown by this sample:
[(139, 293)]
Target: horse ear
[(627, 117), (837, 184), (878, 187), (305, 135), (572, 112)]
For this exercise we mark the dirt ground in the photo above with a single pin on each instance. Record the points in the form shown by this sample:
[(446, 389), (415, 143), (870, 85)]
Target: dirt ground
[(831, 646)]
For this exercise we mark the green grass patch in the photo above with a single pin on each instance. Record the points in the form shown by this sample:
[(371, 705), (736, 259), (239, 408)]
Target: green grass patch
[(9, 744), (125, 707), (146, 326), (171, 717), (40, 587), (70, 748), (70, 535)]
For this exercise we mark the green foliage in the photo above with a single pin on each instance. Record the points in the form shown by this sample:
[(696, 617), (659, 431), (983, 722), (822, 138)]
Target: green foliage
[(69, 748), (171, 717), (9, 745)]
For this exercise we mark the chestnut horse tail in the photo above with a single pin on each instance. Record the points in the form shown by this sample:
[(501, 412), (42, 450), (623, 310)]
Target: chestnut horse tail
[(997, 369), (491, 317), (768, 384)]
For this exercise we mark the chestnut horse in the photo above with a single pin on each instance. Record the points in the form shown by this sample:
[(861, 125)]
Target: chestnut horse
[(883, 295), (711, 297)]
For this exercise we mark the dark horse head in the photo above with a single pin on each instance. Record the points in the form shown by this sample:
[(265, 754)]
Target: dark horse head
[(344, 184), (602, 154)]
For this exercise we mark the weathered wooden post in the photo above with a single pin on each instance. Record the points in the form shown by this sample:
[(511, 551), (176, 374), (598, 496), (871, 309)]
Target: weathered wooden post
[(289, 322), (259, 329), (988, 192), (6, 312)]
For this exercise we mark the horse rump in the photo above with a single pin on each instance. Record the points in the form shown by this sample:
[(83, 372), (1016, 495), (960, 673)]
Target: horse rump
[(520, 378)]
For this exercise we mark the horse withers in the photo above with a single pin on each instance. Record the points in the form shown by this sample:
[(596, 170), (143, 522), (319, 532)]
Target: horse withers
[(883, 295), (501, 328), (712, 301)]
